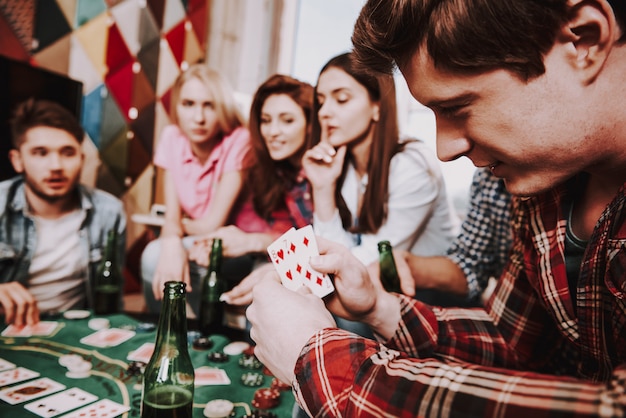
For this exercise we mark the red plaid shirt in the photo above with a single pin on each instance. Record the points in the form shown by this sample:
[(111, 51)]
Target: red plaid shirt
[(525, 355)]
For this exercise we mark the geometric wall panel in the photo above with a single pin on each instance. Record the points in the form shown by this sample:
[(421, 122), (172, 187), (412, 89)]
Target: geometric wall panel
[(157, 9), (68, 7), (86, 10), (174, 13), (148, 57), (117, 54), (169, 69), (113, 120), (56, 56), (50, 24), (135, 23), (127, 54), (18, 19), (193, 51), (92, 114), (115, 156), (176, 40), (93, 36)]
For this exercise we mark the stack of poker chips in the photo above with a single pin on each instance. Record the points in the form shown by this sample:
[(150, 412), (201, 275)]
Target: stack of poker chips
[(77, 367), (266, 398)]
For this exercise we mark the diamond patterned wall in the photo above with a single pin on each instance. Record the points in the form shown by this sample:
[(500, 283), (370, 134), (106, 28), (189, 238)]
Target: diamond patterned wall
[(127, 53)]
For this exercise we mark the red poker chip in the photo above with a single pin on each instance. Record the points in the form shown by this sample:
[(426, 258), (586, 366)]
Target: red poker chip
[(266, 398), (280, 385), (248, 351)]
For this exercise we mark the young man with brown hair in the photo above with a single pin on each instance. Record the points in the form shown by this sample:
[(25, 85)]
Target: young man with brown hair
[(52, 228), (534, 90)]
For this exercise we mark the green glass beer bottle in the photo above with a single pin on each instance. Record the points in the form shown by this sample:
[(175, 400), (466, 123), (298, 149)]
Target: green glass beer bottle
[(211, 317), (108, 282), (169, 376), (388, 273)]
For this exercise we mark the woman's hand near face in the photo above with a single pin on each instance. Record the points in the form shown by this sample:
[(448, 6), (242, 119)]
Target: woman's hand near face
[(322, 165)]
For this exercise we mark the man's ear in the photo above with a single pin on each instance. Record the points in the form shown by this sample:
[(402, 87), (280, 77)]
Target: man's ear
[(592, 31), (16, 160)]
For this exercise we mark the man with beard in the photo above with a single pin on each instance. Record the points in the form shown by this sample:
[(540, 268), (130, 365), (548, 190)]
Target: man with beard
[(52, 229)]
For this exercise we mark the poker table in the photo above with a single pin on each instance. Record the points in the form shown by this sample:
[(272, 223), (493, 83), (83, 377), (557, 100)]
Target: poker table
[(109, 377)]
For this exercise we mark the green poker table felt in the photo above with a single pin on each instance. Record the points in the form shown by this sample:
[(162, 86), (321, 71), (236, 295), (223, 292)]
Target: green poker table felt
[(108, 377)]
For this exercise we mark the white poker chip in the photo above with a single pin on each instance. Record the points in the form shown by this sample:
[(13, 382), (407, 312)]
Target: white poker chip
[(76, 314), (218, 408), (67, 360), (235, 348), (98, 323), (78, 370)]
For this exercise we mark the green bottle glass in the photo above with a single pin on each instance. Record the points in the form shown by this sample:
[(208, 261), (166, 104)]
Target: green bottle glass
[(108, 282), (211, 317), (168, 380), (388, 273)]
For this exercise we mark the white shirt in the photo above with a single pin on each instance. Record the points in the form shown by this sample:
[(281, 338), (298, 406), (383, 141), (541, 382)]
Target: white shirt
[(58, 269), (420, 218)]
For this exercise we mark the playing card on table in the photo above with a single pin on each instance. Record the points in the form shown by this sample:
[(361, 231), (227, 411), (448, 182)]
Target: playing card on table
[(41, 329), (210, 376), (142, 354), (283, 258), (104, 408), (304, 246), (60, 402), (30, 390), (20, 374), (6, 365), (109, 337)]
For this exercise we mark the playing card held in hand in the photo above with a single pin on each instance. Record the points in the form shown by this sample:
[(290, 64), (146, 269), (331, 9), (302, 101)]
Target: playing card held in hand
[(291, 253)]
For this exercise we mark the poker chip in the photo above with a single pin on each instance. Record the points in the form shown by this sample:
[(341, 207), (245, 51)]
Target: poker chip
[(146, 327), (218, 357), (66, 359), (279, 385), (260, 414), (76, 314), (250, 362), (266, 398), (252, 379), (97, 324), (202, 343), (77, 367), (218, 408), (236, 347), (128, 327)]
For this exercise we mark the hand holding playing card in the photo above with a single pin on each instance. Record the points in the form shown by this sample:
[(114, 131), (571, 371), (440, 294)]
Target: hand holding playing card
[(291, 253), (300, 315)]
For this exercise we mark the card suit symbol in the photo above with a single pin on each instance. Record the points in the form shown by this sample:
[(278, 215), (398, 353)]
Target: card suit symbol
[(288, 274), (319, 281), (292, 247), (299, 268), (308, 275), (305, 241), (280, 254)]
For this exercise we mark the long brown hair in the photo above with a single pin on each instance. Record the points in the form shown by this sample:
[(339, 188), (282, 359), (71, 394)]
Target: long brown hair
[(269, 180), (385, 144)]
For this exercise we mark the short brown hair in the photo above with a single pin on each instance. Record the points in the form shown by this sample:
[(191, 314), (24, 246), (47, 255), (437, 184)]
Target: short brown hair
[(461, 35), (32, 113)]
